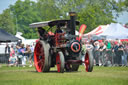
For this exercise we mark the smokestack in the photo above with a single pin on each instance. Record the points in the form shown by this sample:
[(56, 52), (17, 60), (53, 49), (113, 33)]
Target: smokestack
[(72, 22)]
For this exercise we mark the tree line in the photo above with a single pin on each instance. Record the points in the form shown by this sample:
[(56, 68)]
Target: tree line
[(90, 12)]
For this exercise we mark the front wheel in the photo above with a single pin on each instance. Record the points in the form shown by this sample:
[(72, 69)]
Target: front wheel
[(60, 62), (89, 61)]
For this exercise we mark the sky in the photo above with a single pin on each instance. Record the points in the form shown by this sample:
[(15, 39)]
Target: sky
[(4, 4), (123, 18)]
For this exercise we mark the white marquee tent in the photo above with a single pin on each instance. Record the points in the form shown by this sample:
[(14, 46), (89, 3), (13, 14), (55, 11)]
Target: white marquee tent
[(100, 29), (115, 31)]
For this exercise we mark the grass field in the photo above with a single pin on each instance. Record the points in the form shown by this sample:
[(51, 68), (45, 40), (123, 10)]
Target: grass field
[(99, 76)]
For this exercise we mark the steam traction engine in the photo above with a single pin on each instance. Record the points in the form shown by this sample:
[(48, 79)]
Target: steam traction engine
[(62, 48)]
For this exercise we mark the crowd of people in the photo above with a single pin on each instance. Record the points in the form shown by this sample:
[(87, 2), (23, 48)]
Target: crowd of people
[(20, 54), (105, 52), (108, 52)]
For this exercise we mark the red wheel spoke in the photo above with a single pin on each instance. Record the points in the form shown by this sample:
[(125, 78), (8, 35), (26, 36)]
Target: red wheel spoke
[(87, 66), (41, 65), (37, 54), (87, 62), (58, 62), (58, 67), (40, 61)]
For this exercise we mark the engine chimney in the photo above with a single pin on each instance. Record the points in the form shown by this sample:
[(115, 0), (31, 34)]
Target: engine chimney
[(72, 22)]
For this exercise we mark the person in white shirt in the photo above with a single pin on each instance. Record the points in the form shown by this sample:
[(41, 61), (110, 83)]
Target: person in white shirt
[(96, 52), (102, 57)]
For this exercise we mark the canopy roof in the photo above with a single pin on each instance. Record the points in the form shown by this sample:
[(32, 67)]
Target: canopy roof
[(51, 23), (6, 37)]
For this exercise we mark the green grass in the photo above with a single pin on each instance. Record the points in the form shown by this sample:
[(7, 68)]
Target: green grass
[(99, 76)]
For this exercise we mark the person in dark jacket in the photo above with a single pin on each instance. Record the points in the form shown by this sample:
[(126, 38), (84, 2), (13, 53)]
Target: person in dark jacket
[(115, 50), (120, 53), (7, 53), (7, 49)]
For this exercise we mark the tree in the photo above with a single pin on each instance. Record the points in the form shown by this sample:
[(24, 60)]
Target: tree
[(66, 6), (25, 12), (126, 3), (48, 10), (6, 22), (94, 16), (90, 12), (28, 12)]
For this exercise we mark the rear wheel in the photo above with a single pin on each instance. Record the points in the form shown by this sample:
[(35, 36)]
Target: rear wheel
[(60, 62), (89, 61), (41, 56)]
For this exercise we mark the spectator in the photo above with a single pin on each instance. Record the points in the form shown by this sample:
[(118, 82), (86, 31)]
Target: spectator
[(96, 52), (102, 49), (108, 45), (17, 52), (115, 50), (12, 52), (7, 52), (19, 42), (125, 54), (21, 51), (109, 57), (120, 58), (28, 52), (88, 45), (7, 49), (31, 55), (13, 58)]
